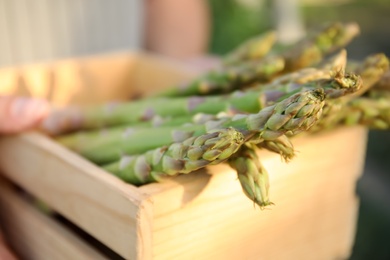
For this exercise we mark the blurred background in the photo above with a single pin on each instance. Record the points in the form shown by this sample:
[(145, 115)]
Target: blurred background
[(45, 30)]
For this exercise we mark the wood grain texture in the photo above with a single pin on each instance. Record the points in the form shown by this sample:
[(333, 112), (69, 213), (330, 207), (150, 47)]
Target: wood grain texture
[(101, 204), (36, 236), (206, 216), (115, 213)]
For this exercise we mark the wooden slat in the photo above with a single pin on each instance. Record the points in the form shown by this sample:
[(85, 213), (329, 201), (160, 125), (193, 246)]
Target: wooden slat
[(36, 236), (314, 217), (99, 203)]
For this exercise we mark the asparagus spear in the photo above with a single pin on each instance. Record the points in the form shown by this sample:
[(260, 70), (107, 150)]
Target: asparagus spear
[(372, 111), (227, 79), (252, 175), (372, 69), (312, 49), (77, 141), (281, 145), (252, 49), (245, 102), (384, 82), (337, 62), (97, 138), (295, 113), (321, 71), (192, 154), (307, 52)]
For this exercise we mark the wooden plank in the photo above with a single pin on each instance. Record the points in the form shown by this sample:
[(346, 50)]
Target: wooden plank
[(205, 215), (91, 80), (99, 203), (34, 235)]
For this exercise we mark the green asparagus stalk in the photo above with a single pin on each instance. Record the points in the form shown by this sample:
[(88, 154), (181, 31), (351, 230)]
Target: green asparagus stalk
[(295, 113), (307, 52), (252, 49), (281, 145), (384, 82), (238, 102), (372, 70), (317, 45), (321, 71), (97, 138), (252, 175), (227, 79), (77, 141), (178, 158), (337, 62), (372, 111), (219, 144)]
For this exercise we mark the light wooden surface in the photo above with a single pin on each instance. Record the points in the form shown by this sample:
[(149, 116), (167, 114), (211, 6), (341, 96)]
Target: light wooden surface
[(206, 216), (35, 236), (101, 204), (115, 213), (200, 216), (92, 80)]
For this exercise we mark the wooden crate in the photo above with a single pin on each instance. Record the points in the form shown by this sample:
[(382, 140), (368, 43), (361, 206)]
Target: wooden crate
[(203, 215), (35, 235)]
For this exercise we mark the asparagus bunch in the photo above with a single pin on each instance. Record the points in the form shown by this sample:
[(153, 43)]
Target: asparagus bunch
[(181, 157), (250, 101), (316, 46), (372, 111), (372, 69), (147, 140), (307, 52), (224, 137), (134, 140)]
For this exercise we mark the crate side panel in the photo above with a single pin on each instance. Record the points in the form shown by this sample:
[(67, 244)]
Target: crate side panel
[(36, 236), (82, 81), (208, 216), (101, 204)]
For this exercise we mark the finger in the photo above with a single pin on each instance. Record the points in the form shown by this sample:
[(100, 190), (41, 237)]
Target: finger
[(19, 113)]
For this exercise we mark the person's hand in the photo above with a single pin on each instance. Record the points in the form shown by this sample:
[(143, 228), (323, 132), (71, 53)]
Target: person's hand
[(18, 114)]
